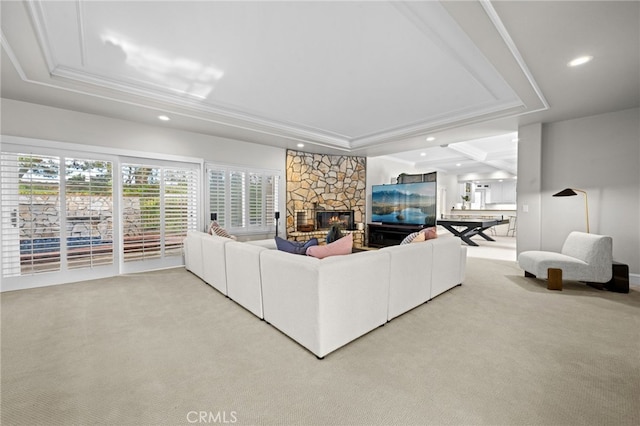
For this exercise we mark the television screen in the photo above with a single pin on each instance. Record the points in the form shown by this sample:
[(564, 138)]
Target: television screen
[(404, 203)]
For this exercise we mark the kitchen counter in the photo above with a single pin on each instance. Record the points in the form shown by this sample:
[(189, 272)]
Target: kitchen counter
[(483, 212)]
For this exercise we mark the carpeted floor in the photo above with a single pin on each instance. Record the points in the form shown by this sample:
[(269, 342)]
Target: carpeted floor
[(165, 348)]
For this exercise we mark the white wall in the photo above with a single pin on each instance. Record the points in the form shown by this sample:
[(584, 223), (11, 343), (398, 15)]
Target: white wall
[(599, 154), (528, 187), (42, 122)]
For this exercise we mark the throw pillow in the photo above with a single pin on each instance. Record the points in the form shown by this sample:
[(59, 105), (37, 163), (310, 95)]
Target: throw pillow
[(409, 238), (295, 247), (340, 247), (215, 229), (430, 233), (419, 238)]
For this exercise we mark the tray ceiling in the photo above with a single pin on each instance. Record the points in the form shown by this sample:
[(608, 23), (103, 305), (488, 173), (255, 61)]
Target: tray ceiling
[(364, 77), (343, 75)]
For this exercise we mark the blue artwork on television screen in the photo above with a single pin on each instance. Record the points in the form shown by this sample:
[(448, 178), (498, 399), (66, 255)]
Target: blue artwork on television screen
[(404, 204)]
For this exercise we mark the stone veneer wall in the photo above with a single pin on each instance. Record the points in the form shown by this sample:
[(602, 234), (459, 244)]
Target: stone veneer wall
[(332, 182), (39, 217)]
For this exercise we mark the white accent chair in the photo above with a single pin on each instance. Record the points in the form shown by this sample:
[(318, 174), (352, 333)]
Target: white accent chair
[(584, 257)]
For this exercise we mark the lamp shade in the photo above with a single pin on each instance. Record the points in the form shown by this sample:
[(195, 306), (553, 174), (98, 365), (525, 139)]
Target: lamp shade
[(566, 193)]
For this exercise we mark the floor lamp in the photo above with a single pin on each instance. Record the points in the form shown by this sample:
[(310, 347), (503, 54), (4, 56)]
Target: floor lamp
[(569, 192)]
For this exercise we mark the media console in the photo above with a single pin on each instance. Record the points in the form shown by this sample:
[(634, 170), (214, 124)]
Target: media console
[(389, 235)]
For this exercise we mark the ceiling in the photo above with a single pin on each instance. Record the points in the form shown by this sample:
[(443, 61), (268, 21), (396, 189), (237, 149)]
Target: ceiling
[(361, 78)]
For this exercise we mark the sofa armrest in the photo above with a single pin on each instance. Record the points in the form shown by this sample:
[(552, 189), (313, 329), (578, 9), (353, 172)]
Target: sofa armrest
[(244, 284), (192, 245), (214, 260), (449, 262)]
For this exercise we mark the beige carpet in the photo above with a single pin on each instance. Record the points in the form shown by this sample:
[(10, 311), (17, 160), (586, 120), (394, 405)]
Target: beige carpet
[(157, 348)]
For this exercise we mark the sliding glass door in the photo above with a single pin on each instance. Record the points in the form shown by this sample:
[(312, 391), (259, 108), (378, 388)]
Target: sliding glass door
[(159, 205), (57, 218)]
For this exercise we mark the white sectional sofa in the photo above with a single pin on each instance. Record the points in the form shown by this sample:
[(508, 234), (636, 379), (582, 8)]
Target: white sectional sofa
[(324, 304), (205, 256), (244, 281), (413, 280)]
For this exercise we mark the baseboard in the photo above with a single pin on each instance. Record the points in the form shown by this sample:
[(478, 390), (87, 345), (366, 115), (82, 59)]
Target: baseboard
[(634, 279)]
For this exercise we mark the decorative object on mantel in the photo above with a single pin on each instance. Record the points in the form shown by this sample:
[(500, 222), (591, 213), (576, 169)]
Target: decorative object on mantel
[(570, 192)]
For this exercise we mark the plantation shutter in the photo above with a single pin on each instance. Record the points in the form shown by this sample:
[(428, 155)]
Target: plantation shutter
[(256, 200), (244, 199), (236, 199), (180, 207), (159, 207), (89, 224), (271, 198), (30, 214), (217, 179), (141, 212)]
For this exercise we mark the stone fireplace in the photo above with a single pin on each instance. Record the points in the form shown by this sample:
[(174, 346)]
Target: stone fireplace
[(322, 189)]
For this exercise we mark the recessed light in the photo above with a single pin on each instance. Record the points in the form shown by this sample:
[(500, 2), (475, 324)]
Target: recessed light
[(163, 118), (458, 165), (580, 60), (300, 145), (431, 139)]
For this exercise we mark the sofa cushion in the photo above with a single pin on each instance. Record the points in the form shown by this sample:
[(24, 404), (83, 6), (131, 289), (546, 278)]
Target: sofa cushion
[(339, 247), (295, 247)]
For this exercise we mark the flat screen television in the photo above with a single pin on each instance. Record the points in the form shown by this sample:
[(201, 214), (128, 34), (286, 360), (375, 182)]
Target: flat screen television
[(404, 204)]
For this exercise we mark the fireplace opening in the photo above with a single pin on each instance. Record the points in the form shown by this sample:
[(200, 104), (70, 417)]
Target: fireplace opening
[(342, 218), (304, 221)]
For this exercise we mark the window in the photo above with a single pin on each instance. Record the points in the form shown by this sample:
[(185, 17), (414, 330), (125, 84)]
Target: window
[(159, 205), (39, 210), (68, 214), (244, 200)]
